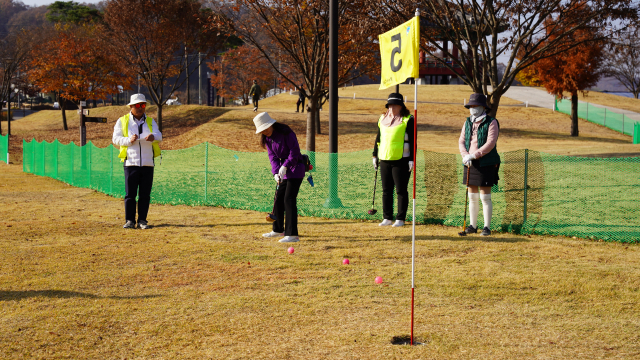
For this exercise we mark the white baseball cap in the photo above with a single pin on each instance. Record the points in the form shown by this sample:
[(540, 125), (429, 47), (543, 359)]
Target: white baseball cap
[(136, 99), (263, 121)]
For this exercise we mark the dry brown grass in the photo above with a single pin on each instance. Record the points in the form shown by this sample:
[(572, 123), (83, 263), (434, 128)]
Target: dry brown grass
[(439, 125), (615, 101), (203, 284)]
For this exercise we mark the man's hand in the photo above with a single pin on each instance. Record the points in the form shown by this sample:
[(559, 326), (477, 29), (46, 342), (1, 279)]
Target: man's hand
[(133, 138), (149, 137)]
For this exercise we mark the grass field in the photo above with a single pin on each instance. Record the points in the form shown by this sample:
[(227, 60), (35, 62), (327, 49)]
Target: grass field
[(204, 284)]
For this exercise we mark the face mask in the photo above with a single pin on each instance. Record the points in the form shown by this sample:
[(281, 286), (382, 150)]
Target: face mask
[(476, 111)]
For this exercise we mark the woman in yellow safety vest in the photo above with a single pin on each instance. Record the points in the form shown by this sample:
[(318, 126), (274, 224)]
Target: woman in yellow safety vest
[(393, 151)]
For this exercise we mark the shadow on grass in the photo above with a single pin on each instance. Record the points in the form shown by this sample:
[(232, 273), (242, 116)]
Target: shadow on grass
[(62, 294), (467, 238), (207, 226)]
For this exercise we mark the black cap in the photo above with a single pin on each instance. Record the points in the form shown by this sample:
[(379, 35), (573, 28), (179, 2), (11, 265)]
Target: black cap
[(477, 99), (395, 99)]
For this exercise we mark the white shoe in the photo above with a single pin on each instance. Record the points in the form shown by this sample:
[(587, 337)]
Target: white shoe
[(398, 223), (272, 234), (289, 239), (385, 222)]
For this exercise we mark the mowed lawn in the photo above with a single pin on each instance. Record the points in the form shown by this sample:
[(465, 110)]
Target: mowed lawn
[(204, 284)]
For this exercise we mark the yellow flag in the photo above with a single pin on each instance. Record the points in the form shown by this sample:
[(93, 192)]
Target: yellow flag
[(399, 53)]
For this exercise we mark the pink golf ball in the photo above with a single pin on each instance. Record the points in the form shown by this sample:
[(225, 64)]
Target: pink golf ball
[(378, 280), (345, 262), (291, 250)]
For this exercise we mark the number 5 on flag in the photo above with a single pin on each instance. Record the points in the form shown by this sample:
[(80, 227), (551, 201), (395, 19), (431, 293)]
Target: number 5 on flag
[(399, 49)]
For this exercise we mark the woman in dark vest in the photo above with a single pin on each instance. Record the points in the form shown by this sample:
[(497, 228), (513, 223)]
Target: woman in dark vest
[(394, 151), (481, 161), (288, 171)]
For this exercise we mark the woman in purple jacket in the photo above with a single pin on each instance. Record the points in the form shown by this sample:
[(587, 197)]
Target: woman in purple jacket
[(286, 165)]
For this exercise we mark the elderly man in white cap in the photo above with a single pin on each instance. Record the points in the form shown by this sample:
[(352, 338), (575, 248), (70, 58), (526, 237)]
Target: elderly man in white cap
[(137, 135)]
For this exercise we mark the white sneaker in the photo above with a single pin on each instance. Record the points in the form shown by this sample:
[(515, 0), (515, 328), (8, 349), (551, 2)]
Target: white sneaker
[(385, 222), (289, 239), (272, 234), (398, 223)]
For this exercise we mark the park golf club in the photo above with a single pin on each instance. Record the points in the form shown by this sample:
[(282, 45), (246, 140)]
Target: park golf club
[(466, 199), (271, 217), (375, 183)]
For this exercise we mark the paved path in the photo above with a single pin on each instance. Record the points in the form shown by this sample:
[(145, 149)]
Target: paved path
[(541, 98)]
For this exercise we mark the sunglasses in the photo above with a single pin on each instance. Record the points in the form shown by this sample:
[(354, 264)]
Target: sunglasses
[(140, 105)]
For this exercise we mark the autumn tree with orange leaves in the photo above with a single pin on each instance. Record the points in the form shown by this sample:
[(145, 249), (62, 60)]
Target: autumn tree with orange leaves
[(76, 63), (295, 34), (574, 70), (235, 72)]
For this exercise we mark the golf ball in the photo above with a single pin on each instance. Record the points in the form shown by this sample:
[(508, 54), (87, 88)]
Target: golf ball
[(378, 280), (291, 250), (345, 262)]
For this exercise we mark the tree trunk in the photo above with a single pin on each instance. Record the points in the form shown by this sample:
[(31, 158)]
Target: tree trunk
[(574, 114), (64, 113), (635, 94), (494, 102), (311, 128), (159, 117), (318, 121)]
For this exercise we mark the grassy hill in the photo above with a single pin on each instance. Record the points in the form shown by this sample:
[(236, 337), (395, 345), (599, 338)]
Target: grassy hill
[(439, 124)]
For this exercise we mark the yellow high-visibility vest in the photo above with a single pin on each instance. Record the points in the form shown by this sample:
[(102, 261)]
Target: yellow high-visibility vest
[(391, 145), (124, 121)]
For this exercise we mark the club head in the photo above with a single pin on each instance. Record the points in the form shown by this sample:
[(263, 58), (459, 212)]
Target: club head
[(372, 211), (462, 233), (271, 218)]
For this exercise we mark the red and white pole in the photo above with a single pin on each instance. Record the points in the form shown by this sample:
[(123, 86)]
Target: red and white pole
[(413, 223)]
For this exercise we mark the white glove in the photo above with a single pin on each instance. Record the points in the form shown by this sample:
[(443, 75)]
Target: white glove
[(375, 163), (467, 159), (277, 178), (410, 165), (282, 171)]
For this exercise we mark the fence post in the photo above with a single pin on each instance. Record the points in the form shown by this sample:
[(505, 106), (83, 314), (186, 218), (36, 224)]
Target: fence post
[(206, 170), (636, 133), (587, 115), (111, 171), (44, 144), (56, 158), (71, 148), (526, 174), (33, 156), (89, 163), (622, 124)]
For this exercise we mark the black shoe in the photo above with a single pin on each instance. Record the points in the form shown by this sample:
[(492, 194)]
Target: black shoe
[(142, 224), (486, 231), (471, 230), (130, 225)]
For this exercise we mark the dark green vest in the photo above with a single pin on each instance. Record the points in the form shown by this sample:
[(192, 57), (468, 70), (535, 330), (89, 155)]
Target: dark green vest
[(491, 158)]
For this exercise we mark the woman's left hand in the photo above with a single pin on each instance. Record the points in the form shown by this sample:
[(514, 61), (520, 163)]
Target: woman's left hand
[(282, 171), (410, 165)]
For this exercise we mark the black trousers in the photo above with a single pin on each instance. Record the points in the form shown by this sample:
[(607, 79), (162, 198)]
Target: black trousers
[(395, 173), (255, 101), (287, 205), (300, 100), (138, 180)]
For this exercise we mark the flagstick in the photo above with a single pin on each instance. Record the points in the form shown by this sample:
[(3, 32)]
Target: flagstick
[(415, 147)]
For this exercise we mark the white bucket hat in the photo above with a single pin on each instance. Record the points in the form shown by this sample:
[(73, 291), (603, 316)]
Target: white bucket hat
[(136, 99), (263, 121)]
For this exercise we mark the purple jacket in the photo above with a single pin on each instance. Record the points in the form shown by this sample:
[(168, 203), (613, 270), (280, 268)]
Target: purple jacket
[(283, 150)]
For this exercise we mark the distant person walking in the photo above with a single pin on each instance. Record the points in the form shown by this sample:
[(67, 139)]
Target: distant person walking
[(481, 160), (286, 165), (393, 149), (302, 95), (138, 136), (255, 93)]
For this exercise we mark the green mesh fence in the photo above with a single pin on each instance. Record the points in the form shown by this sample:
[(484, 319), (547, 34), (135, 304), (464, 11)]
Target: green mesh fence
[(4, 148), (599, 115), (537, 193)]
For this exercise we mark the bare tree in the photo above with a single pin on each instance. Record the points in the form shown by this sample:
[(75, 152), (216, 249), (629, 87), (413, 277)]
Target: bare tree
[(623, 60), (154, 41), (296, 34), (14, 52), (483, 32)]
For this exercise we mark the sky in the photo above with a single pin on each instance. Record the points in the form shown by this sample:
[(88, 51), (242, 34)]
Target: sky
[(49, 2)]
